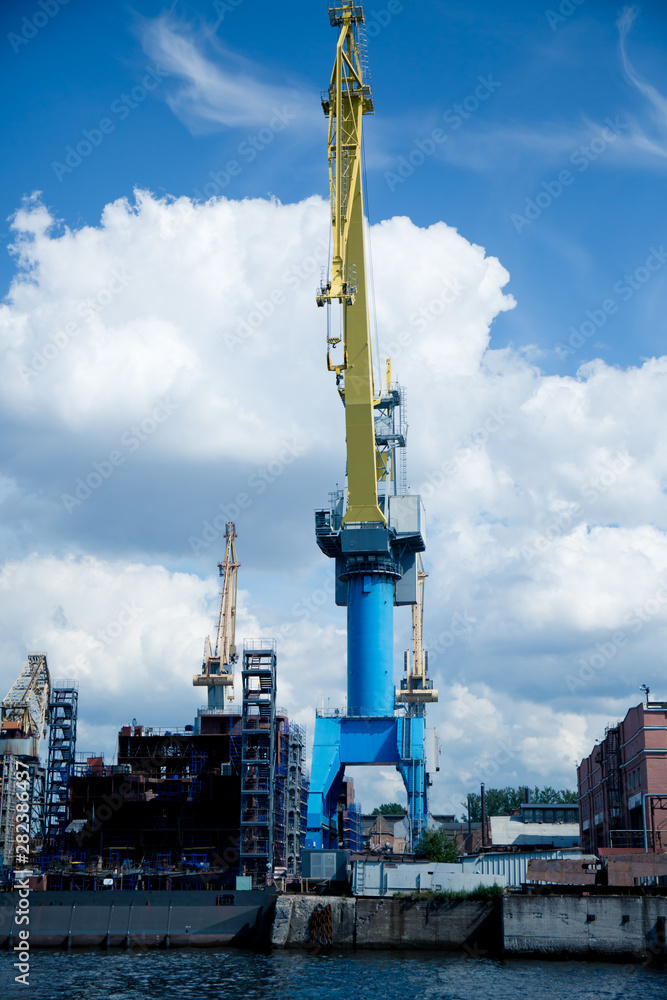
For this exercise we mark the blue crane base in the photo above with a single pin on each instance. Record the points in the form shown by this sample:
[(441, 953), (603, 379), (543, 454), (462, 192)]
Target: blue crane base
[(342, 741)]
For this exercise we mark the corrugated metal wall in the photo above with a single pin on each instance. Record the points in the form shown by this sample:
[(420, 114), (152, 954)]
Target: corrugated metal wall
[(512, 866)]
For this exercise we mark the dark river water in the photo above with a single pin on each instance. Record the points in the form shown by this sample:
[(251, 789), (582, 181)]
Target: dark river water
[(182, 974)]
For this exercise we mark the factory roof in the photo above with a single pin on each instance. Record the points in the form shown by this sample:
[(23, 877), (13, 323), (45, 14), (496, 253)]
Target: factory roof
[(509, 830)]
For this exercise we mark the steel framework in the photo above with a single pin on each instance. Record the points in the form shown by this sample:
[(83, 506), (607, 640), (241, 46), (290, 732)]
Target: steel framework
[(63, 711), (13, 767), (27, 700), (295, 815), (258, 756)]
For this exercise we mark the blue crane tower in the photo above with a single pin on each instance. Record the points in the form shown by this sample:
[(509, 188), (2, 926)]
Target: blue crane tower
[(374, 530)]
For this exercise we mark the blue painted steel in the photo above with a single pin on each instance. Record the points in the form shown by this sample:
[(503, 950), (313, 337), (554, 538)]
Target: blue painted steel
[(412, 766), (342, 741), (369, 732), (326, 777), (369, 741), (370, 638)]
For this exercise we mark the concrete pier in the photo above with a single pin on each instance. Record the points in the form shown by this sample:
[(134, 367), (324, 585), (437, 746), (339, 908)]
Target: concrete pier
[(371, 923), (293, 921), (629, 927)]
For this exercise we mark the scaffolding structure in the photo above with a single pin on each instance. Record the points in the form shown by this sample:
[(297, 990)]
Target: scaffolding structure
[(352, 836), (63, 710), (280, 794), (29, 769), (295, 799), (258, 757), (8, 809), (303, 828)]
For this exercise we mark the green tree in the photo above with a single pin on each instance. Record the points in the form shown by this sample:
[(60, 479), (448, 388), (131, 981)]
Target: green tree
[(504, 801), (437, 846), (561, 796), (389, 809)]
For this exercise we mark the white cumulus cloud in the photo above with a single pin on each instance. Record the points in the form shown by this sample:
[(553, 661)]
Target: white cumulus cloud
[(166, 371)]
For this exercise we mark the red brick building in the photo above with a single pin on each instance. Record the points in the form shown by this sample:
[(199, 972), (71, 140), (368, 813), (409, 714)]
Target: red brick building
[(623, 784)]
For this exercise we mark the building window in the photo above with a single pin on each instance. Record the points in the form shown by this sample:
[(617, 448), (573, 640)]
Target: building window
[(639, 778)]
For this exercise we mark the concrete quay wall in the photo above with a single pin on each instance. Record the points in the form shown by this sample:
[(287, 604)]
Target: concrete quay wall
[(630, 927), (372, 923)]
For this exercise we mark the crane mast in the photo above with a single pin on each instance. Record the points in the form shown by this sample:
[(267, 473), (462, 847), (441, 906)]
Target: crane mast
[(217, 668)]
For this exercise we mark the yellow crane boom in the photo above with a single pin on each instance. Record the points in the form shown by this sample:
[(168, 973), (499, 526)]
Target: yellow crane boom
[(348, 100), (416, 688), (216, 673)]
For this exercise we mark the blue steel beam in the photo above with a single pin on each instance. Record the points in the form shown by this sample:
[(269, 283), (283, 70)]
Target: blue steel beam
[(341, 741)]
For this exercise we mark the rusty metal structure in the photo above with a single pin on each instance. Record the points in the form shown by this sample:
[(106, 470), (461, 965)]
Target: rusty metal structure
[(22, 726)]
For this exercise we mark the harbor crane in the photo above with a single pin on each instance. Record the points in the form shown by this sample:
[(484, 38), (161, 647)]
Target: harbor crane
[(416, 689), (23, 723), (374, 530), (218, 664), (24, 707)]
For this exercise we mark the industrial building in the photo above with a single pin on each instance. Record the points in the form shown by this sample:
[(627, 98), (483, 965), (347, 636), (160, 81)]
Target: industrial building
[(194, 797), (385, 833), (622, 783), (556, 827), (225, 794)]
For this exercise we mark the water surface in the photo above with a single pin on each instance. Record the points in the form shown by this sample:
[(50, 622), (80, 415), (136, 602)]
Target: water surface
[(297, 975)]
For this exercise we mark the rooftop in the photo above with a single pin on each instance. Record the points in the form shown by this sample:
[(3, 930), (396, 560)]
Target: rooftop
[(507, 830)]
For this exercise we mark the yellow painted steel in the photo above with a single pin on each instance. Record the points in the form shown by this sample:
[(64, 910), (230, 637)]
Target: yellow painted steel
[(225, 639), (417, 690), (349, 99), (418, 671), (217, 669)]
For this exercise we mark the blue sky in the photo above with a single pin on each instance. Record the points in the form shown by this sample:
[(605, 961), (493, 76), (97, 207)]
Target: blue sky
[(556, 80), (516, 160)]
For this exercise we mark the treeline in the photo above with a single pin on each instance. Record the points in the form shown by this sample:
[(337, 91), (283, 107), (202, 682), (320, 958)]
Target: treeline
[(503, 801)]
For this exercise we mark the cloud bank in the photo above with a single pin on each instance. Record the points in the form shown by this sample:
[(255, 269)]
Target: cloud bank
[(165, 370)]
